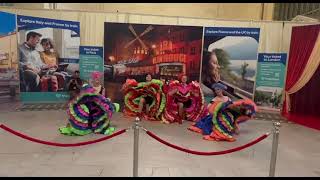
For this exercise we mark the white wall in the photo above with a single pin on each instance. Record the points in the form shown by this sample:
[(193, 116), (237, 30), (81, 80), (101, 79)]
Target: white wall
[(274, 36), (242, 11)]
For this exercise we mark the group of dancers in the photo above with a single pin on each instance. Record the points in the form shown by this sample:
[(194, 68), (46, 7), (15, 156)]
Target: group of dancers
[(168, 102)]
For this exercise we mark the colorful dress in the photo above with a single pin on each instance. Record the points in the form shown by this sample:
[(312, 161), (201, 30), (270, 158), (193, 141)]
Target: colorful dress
[(192, 98), (223, 119), (89, 113), (150, 91)]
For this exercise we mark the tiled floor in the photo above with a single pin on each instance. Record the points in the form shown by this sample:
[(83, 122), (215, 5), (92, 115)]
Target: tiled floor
[(298, 153)]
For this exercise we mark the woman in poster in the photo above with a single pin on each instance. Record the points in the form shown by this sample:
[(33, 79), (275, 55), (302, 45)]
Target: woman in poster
[(184, 101), (224, 116), (49, 56), (210, 71), (89, 112), (144, 99)]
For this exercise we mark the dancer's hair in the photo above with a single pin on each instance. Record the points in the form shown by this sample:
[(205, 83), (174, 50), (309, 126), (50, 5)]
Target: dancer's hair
[(180, 76), (96, 75)]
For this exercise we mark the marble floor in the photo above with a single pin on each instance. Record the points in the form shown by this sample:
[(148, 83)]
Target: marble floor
[(298, 153)]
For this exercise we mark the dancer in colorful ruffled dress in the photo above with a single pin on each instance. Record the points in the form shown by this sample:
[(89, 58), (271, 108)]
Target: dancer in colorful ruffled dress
[(90, 112), (96, 78), (144, 99), (224, 117), (184, 101)]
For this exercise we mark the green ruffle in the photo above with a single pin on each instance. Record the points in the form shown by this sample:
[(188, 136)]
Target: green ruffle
[(66, 131), (155, 81), (109, 131), (126, 102), (162, 104), (80, 132), (84, 108), (137, 100), (117, 106), (73, 132)]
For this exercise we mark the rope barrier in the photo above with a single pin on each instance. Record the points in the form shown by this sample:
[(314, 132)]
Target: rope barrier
[(207, 153), (123, 131), (60, 144)]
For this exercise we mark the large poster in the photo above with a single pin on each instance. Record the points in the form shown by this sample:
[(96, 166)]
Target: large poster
[(8, 53), (270, 80), (48, 55), (91, 59), (132, 50), (230, 57)]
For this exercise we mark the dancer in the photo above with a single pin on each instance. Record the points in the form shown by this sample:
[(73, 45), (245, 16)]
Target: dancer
[(184, 101), (95, 82), (144, 99), (224, 116), (90, 112)]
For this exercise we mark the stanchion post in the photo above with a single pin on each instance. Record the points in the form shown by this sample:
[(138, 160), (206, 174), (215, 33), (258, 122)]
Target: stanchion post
[(136, 147), (275, 142)]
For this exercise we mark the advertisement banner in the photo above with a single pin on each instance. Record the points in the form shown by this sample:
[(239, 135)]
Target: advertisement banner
[(230, 57), (8, 55), (91, 59), (133, 50), (48, 57), (270, 79)]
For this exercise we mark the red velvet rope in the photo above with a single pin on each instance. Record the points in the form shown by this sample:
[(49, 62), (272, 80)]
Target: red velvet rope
[(207, 153), (60, 144)]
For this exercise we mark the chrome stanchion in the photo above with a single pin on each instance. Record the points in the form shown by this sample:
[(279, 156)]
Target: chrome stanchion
[(136, 147), (275, 142)]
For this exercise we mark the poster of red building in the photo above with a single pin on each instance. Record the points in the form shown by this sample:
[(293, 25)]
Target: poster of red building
[(132, 50)]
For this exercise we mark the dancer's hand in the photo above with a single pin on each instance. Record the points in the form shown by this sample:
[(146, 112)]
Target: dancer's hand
[(236, 130), (195, 93), (173, 91)]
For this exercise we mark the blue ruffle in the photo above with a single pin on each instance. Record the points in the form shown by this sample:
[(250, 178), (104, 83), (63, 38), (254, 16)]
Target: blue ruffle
[(205, 124)]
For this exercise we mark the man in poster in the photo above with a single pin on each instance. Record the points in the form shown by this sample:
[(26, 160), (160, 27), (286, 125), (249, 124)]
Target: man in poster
[(30, 63)]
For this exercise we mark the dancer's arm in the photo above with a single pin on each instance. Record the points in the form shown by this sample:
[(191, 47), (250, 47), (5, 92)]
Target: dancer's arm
[(211, 102), (77, 84), (172, 92), (103, 92), (69, 83), (196, 94), (236, 128)]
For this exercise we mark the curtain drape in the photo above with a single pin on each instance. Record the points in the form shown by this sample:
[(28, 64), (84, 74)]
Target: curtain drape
[(303, 42), (305, 104), (310, 68), (306, 101)]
